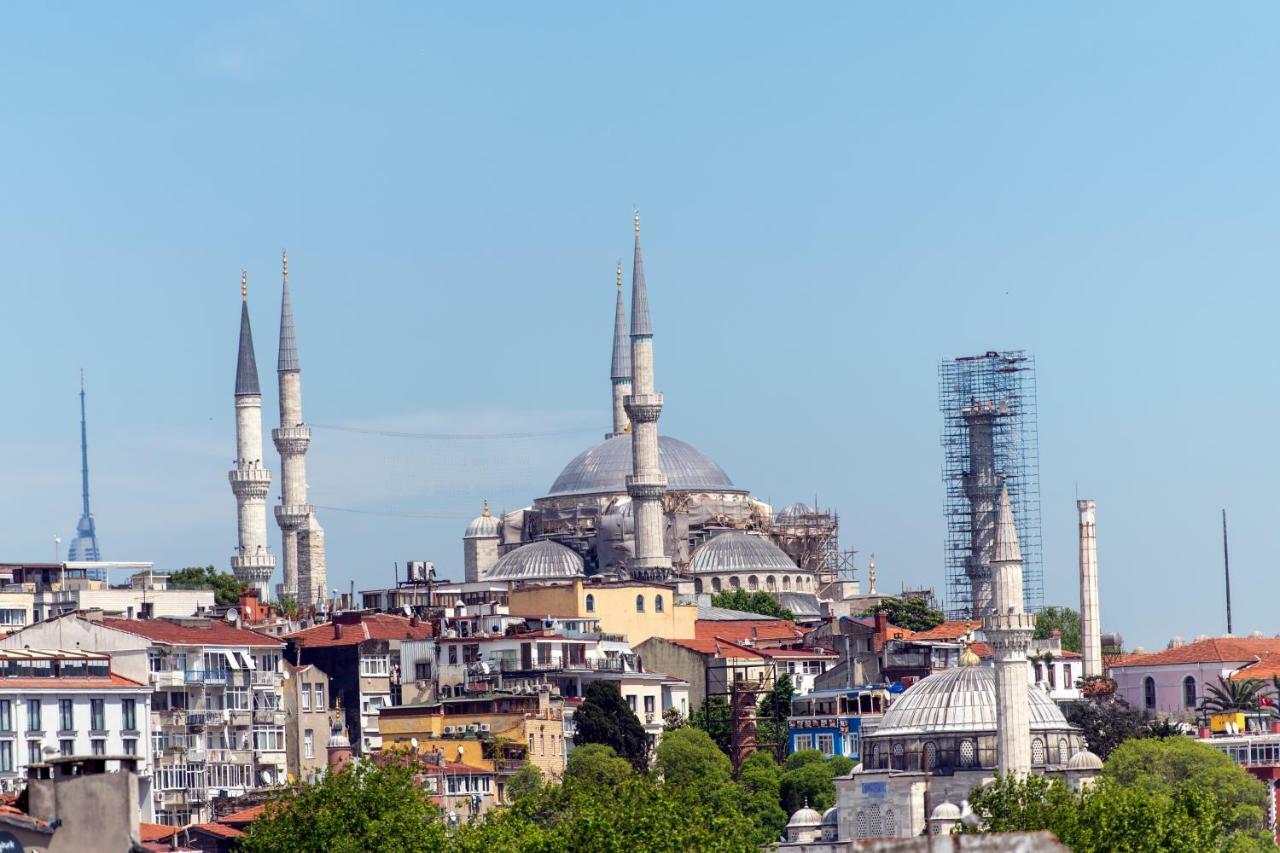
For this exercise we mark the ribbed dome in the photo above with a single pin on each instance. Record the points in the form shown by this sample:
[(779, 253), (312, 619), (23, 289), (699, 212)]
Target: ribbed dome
[(962, 699), (795, 509), (603, 469), (806, 817), (483, 526), (831, 817), (1084, 760), (946, 810), (543, 560), (735, 551)]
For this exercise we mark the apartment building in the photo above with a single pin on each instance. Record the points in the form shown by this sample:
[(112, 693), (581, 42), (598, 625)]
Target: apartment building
[(306, 706)]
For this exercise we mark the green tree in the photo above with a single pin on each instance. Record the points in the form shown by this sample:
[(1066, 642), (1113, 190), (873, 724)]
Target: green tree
[(808, 778), (1228, 695), (716, 719), (226, 589), (525, 782), (1064, 620), (760, 779), (776, 704), (598, 765), (361, 807), (605, 718), (1106, 723), (689, 758), (914, 614), (672, 719), (751, 602)]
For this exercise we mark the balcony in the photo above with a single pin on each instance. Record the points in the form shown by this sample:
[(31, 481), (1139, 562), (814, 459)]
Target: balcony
[(173, 718), (270, 717), (215, 717), (168, 678), (265, 679), (508, 765)]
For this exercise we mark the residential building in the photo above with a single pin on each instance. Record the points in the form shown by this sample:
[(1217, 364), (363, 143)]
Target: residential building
[(1173, 681), (360, 653), (59, 588), (420, 596), (306, 706), (634, 609), (833, 721)]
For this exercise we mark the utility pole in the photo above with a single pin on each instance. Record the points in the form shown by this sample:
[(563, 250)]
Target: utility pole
[(1226, 568)]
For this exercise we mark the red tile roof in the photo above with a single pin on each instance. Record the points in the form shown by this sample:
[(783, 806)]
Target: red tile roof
[(115, 682), (215, 633), (952, 629), (722, 648), (1212, 650), (244, 816), (155, 831), (1264, 670), (353, 631), (738, 630), (217, 829)]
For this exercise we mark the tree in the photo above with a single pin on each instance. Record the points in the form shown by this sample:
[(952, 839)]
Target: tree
[(689, 758), (1227, 696), (605, 718), (914, 614), (716, 719), (1065, 621), (808, 779), (226, 589), (598, 765), (760, 779), (751, 602), (525, 782), (672, 719), (775, 705), (1106, 723), (361, 807)]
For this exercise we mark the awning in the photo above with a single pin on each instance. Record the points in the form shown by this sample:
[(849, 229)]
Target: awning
[(231, 660), (248, 660)]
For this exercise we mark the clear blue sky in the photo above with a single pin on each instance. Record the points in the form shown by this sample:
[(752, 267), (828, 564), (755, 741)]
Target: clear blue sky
[(835, 197)]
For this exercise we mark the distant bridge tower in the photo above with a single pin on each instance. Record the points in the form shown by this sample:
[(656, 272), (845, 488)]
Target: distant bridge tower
[(84, 547)]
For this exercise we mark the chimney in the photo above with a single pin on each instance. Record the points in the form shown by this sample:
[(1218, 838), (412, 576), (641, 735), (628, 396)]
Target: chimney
[(882, 625), (1090, 619), (413, 620), (337, 630)]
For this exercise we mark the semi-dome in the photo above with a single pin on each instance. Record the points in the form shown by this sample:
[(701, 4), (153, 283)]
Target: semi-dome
[(735, 551), (1084, 760), (962, 699), (483, 526), (542, 560), (946, 810), (603, 469)]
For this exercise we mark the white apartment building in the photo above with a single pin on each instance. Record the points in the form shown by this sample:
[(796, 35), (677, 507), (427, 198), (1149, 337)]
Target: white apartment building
[(217, 722)]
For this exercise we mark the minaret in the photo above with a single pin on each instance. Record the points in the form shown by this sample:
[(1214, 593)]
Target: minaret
[(1090, 621), (85, 545), (981, 485), (646, 483), (250, 480), (301, 540), (620, 370), (1009, 630)]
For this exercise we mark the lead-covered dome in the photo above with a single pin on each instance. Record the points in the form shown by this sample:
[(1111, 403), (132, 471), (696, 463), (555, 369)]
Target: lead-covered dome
[(483, 526), (542, 560), (735, 551), (603, 469), (957, 700)]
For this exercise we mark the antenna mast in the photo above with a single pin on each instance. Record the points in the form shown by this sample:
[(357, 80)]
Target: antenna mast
[(1226, 568)]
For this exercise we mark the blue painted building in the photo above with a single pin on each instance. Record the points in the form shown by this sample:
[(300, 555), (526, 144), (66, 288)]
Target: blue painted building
[(831, 721)]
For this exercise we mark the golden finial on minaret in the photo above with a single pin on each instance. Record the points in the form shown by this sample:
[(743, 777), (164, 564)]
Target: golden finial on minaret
[(486, 512), (284, 264), (968, 657), (619, 274), (244, 286), (637, 215), (871, 576)]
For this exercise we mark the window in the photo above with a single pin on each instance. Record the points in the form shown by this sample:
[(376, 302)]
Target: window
[(66, 716), (804, 742), (657, 604), (786, 582), (306, 697), (1149, 693), (826, 744), (860, 824), (268, 738), (1188, 692), (129, 711), (639, 603), (6, 715), (308, 744), (422, 670), (1053, 671), (715, 584), (930, 755), (753, 583), (6, 756), (648, 704), (968, 753), (131, 746), (453, 654), (99, 746), (1066, 676), (1037, 751), (890, 824), (631, 702), (67, 747), (874, 827), (591, 603), (319, 694), (14, 616), (34, 755), (33, 716), (371, 665), (97, 715)]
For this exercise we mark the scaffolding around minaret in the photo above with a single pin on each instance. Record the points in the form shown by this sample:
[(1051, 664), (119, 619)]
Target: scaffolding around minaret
[(989, 441)]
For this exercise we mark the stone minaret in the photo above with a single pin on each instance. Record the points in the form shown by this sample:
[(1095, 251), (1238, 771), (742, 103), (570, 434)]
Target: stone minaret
[(295, 516), (1090, 619), (620, 371), (253, 564), (646, 484), (981, 485), (1009, 630)]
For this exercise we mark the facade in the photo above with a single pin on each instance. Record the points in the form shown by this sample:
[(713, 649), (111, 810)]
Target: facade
[(832, 721), (637, 610), (306, 706), (480, 546), (738, 560), (1173, 681)]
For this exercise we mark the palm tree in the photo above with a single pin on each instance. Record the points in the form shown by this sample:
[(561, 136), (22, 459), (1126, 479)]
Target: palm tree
[(1227, 696)]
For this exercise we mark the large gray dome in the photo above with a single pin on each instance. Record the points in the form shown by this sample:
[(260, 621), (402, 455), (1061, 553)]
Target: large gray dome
[(542, 560), (603, 469), (735, 551), (962, 699)]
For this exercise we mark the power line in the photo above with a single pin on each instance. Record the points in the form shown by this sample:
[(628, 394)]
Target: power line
[(456, 436)]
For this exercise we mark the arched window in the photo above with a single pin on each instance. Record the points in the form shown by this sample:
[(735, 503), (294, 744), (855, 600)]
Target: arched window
[(1189, 691), (639, 603), (734, 582), (657, 604), (591, 603), (1064, 751), (697, 585), (786, 582), (860, 824), (890, 829), (753, 583), (771, 583), (899, 763), (1037, 751), (715, 584), (930, 755), (968, 753), (875, 828), (1149, 693)]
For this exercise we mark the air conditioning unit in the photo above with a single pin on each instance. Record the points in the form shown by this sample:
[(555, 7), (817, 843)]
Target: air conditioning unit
[(484, 727), (473, 728), (448, 730)]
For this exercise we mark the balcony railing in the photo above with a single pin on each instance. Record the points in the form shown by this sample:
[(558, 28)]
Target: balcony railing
[(590, 665), (265, 678)]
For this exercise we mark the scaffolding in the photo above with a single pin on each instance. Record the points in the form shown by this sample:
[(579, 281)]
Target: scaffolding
[(1002, 385), (811, 537)]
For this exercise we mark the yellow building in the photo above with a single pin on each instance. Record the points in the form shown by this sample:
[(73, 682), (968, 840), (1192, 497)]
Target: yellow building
[(635, 609)]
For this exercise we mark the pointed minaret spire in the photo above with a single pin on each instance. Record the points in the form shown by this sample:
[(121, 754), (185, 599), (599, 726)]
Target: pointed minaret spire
[(246, 364), (288, 359), (620, 369), (639, 292), (252, 564)]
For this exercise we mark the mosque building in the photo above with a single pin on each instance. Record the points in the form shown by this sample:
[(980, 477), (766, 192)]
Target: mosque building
[(645, 506)]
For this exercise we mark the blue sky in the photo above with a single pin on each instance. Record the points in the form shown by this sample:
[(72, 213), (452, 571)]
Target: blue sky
[(834, 196)]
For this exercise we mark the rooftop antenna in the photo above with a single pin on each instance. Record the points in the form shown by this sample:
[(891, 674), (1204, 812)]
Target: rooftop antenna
[(1226, 569)]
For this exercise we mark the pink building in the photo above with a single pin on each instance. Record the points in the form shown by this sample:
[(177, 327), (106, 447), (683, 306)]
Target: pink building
[(1173, 681)]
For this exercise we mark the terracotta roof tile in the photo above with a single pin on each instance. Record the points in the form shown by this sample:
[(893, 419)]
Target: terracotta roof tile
[(244, 816), (218, 829), (1263, 670), (952, 629), (353, 631), (724, 648), (739, 630), (1212, 650), (115, 682), (155, 831), (215, 633)]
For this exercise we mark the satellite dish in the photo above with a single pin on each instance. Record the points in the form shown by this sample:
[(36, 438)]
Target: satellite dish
[(268, 777), (232, 615), (413, 742)]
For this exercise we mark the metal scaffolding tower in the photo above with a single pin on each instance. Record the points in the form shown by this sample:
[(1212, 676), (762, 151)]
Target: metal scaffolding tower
[(1002, 385)]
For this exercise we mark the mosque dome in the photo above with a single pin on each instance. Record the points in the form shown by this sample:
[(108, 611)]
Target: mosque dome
[(483, 526), (946, 810), (794, 510), (805, 817), (603, 469), (735, 551), (1084, 760), (541, 560), (831, 817), (962, 699)]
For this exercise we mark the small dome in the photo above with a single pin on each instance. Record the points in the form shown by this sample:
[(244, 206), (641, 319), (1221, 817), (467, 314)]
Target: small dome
[(793, 510), (1084, 760), (946, 810), (962, 699), (736, 551), (830, 817), (805, 817), (542, 560), (483, 526), (603, 469)]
